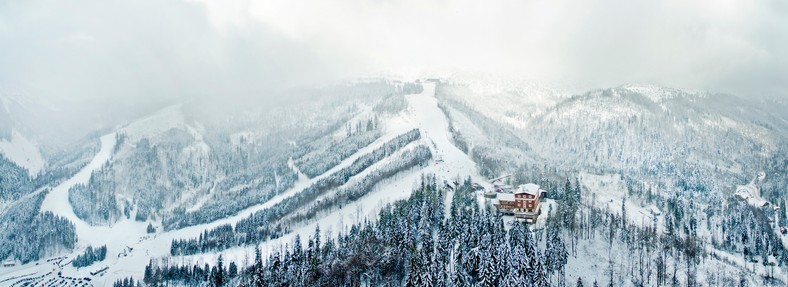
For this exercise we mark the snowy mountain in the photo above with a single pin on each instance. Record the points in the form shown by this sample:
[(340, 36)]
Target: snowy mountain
[(22, 152), (644, 130), (391, 177), (14, 145), (176, 172)]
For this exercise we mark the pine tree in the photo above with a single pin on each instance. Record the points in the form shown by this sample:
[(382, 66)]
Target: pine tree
[(257, 270), (427, 279), (540, 275), (218, 273), (513, 278), (624, 224), (148, 277), (782, 213), (555, 253), (414, 274), (487, 272), (233, 270)]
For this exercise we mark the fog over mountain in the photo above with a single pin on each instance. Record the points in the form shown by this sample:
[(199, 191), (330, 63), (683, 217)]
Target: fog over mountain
[(130, 55), (393, 143), (163, 49)]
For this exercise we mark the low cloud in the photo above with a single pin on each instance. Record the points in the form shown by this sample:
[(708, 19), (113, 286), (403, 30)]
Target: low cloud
[(129, 51), (730, 46), (133, 51)]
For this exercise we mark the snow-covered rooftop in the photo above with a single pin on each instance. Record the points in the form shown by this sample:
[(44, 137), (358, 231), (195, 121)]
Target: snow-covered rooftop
[(751, 194), (528, 188), (505, 196)]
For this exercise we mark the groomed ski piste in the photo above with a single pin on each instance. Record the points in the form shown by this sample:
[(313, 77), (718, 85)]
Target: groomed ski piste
[(130, 248)]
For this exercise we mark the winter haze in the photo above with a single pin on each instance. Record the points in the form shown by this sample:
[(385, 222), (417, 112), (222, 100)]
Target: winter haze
[(393, 143), (121, 49)]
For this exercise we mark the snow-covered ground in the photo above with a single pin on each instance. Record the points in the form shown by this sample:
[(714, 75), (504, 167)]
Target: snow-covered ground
[(129, 248), (57, 199), (422, 113), (594, 258), (608, 192), (155, 124), (751, 194), (435, 127), (23, 152), (57, 202)]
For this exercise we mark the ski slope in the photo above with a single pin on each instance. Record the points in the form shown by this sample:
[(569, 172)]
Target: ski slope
[(129, 247), (434, 126), (422, 113), (57, 199), (57, 202)]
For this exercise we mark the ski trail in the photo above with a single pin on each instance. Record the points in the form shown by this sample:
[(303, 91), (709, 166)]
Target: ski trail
[(57, 199), (129, 248), (422, 113), (435, 126)]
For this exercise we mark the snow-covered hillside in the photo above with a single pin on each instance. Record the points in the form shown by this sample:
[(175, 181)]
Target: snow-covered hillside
[(57, 199), (676, 137), (23, 152), (18, 114), (639, 177), (130, 247)]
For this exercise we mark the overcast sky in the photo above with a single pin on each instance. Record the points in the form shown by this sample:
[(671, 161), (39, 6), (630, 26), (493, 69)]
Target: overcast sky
[(142, 49)]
